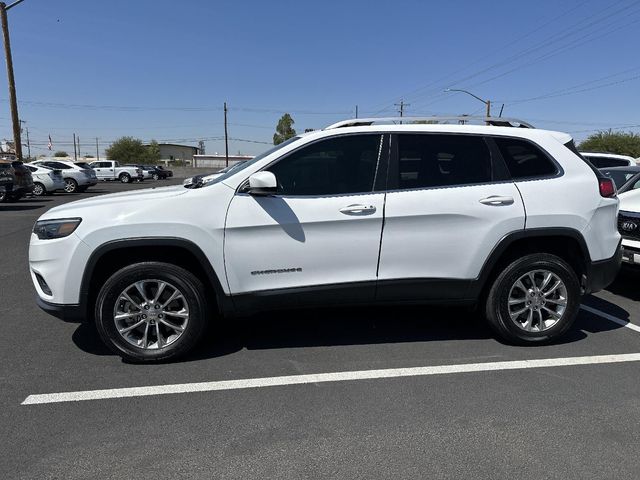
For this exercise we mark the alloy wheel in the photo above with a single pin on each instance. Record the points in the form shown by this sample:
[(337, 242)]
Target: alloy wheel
[(537, 301), (151, 314)]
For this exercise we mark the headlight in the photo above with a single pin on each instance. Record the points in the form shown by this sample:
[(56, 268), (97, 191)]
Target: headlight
[(48, 229)]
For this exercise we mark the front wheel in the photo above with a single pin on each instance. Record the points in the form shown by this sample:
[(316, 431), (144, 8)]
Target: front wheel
[(534, 300), (125, 177), (38, 189), (151, 311), (155, 176)]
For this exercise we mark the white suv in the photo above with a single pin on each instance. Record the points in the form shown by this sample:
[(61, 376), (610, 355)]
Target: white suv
[(77, 178), (629, 227), (362, 212)]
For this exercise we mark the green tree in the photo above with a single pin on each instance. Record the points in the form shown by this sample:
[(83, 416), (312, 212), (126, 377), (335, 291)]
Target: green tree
[(284, 129), (127, 150), (153, 152), (61, 153), (613, 142)]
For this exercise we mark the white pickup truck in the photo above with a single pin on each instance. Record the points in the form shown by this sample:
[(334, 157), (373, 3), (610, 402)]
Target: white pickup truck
[(111, 170)]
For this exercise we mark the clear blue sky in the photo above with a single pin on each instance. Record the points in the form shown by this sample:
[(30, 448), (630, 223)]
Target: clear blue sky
[(160, 69)]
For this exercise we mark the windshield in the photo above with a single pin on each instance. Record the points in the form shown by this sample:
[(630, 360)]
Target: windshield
[(216, 178)]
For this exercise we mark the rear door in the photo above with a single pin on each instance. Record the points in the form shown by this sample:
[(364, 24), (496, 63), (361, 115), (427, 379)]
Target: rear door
[(449, 203), (321, 231)]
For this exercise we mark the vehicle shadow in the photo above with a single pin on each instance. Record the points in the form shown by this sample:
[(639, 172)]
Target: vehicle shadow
[(350, 326), (626, 283), (18, 208)]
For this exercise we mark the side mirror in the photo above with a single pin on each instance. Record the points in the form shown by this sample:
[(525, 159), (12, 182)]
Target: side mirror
[(262, 184)]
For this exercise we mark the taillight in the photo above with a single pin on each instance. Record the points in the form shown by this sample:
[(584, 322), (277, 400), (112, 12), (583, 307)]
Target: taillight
[(607, 187)]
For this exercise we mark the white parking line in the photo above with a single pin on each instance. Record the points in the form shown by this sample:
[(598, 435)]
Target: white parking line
[(619, 321), (324, 377)]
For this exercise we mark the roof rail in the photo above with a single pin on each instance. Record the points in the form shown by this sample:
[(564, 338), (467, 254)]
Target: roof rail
[(462, 119)]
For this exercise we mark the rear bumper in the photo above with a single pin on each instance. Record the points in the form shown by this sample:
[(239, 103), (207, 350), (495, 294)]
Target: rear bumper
[(68, 313), (603, 272)]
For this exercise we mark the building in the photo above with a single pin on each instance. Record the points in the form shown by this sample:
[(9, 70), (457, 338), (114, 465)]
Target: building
[(179, 154), (217, 161)]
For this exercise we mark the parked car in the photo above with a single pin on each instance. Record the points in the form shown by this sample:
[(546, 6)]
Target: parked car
[(151, 172), (207, 177), (625, 178), (166, 170), (76, 177), (159, 173), (629, 227), (510, 219), (604, 160), (46, 180), (112, 170), (146, 174), (17, 180)]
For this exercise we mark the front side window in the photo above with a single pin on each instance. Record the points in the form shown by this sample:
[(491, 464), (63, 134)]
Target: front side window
[(524, 159), (336, 166), (429, 160)]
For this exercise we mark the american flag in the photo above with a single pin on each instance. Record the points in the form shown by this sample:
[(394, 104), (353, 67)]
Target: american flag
[(49, 144)]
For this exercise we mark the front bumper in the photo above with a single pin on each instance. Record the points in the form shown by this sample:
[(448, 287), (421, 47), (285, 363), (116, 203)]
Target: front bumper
[(68, 313), (603, 272)]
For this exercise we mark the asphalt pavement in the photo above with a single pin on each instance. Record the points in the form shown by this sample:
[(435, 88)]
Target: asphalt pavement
[(466, 414)]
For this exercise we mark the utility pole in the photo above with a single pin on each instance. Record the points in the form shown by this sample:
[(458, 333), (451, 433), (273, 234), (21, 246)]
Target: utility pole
[(79, 154), (28, 145), (97, 151), (401, 109), (356, 111), (226, 138), (75, 155), (13, 102)]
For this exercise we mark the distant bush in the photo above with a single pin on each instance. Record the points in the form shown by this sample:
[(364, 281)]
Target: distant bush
[(61, 153), (613, 142)]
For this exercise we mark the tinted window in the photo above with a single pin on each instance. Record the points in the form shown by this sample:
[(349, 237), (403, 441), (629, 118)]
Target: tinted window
[(603, 162), (59, 165), (331, 167), (442, 160), (524, 159), (619, 177)]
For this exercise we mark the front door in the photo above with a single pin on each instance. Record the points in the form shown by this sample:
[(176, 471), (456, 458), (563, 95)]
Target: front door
[(319, 233)]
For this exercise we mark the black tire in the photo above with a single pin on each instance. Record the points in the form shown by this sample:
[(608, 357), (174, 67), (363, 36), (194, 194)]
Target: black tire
[(70, 185), (3, 196), (193, 292), (38, 189), (125, 177), (497, 307)]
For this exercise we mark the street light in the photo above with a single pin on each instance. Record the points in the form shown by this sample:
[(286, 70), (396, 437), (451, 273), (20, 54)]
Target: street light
[(486, 102), (13, 103)]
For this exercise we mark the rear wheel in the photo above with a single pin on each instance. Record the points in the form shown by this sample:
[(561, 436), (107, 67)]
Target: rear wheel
[(38, 189), (534, 300), (155, 176), (125, 177), (151, 311), (70, 185)]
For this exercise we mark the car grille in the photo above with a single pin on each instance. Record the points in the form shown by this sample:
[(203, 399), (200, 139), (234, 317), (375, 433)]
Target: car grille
[(629, 225)]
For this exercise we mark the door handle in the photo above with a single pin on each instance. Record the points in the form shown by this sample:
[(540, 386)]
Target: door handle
[(358, 210), (497, 200)]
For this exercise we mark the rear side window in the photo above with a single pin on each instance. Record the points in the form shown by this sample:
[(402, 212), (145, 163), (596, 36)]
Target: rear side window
[(335, 166), (604, 162), (524, 159), (442, 160)]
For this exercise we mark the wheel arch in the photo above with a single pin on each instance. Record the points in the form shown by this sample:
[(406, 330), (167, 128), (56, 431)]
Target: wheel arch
[(566, 243), (111, 256)]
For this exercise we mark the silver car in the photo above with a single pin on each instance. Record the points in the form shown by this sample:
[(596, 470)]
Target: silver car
[(77, 178), (46, 180)]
